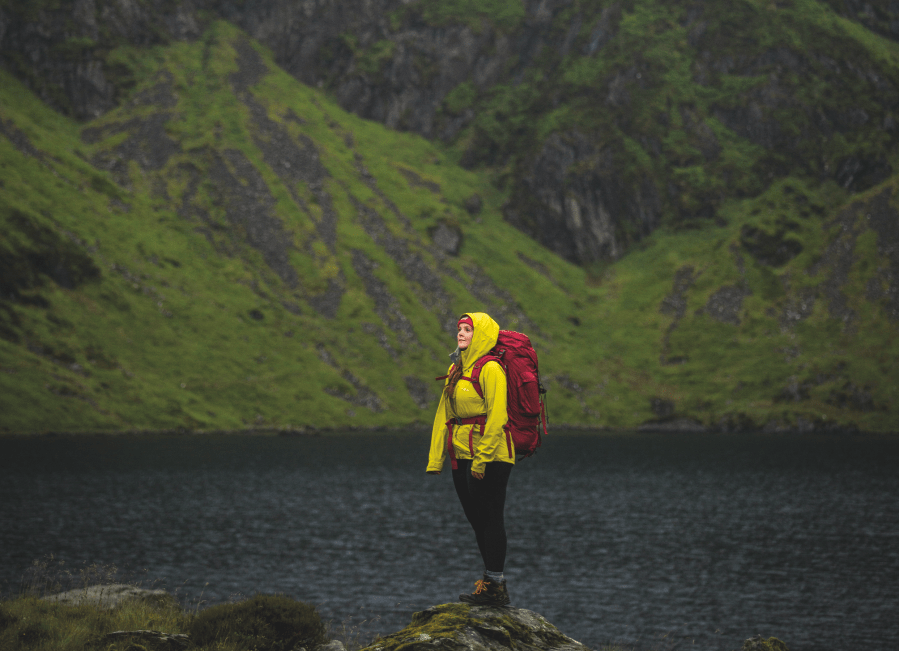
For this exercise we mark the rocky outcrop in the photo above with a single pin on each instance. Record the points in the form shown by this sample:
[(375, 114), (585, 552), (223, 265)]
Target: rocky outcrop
[(155, 639), (109, 596), (460, 627), (397, 74), (883, 218), (675, 306), (574, 199), (880, 16), (178, 641), (60, 49)]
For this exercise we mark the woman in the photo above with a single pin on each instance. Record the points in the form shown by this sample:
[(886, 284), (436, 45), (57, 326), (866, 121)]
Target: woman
[(470, 429)]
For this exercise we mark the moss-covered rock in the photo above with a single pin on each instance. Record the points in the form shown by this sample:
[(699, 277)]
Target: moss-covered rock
[(758, 643), (476, 628)]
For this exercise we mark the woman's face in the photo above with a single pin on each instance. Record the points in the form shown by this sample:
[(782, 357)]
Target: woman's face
[(464, 335)]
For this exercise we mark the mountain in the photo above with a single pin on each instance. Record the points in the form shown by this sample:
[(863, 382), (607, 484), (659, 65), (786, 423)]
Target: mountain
[(604, 120), (696, 229)]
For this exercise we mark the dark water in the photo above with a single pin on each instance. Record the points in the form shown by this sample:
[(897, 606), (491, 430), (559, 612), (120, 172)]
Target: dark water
[(660, 541)]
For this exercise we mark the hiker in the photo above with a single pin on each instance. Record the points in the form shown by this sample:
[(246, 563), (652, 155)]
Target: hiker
[(470, 429)]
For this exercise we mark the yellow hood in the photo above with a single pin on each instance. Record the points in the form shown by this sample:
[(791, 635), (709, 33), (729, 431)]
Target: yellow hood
[(486, 330)]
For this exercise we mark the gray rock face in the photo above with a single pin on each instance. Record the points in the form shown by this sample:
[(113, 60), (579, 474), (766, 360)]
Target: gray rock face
[(675, 305), (573, 199), (108, 596), (155, 639), (726, 304), (333, 645), (60, 48), (460, 627), (883, 218), (447, 238)]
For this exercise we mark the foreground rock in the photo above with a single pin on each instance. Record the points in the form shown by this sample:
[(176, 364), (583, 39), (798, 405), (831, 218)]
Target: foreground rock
[(758, 643), (109, 596), (460, 627), (477, 628), (449, 627), (154, 638)]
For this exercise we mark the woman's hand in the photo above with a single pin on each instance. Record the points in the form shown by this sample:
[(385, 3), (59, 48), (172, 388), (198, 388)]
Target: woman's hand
[(477, 475)]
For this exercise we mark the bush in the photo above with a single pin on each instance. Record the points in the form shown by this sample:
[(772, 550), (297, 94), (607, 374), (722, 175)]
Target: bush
[(6, 619), (263, 622)]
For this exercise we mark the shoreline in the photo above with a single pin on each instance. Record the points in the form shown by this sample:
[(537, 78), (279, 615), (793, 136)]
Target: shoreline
[(419, 428)]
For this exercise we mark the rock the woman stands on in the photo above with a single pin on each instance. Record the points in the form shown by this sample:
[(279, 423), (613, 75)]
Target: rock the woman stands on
[(470, 430)]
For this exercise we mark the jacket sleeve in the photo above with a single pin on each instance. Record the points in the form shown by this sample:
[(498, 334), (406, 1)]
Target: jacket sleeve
[(493, 445), (437, 455)]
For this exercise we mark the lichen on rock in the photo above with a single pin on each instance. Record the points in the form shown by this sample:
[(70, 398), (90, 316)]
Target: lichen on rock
[(476, 628), (110, 596)]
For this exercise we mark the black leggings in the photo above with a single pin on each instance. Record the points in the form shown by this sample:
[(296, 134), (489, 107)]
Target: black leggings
[(483, 501)]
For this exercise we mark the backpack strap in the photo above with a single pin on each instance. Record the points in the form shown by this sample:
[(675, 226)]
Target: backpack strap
[(480, 421), (443, 377), (476, 372)]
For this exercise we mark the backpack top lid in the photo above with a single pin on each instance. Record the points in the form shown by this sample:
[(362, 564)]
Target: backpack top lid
[(517, 343)]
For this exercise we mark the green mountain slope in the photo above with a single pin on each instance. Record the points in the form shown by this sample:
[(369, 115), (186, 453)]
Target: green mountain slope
[(228, 249)]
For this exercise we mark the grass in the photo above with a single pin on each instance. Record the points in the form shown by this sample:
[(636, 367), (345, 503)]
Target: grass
[(29, 623)]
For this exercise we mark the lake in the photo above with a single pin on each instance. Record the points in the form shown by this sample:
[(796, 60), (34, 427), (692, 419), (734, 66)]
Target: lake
[(665, 541)]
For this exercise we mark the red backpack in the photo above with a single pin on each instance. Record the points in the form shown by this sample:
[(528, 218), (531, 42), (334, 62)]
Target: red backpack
[(525, 401)]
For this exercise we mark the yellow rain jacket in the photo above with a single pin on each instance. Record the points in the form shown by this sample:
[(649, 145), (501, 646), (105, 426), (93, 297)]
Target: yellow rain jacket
[(494, 443)]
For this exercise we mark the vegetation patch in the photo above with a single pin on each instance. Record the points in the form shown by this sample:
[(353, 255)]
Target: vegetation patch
[(264, 622)]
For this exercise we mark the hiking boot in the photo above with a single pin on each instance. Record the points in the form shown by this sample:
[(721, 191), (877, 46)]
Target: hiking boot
[(487, 593)]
